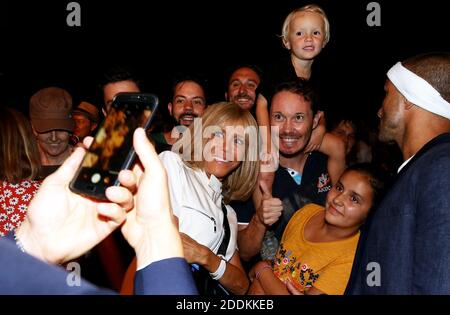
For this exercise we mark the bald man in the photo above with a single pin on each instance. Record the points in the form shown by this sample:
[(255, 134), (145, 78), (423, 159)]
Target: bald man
[(405, 247)]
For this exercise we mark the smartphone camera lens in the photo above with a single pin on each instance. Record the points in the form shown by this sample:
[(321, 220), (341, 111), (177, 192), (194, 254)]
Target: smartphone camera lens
[(96, 178)]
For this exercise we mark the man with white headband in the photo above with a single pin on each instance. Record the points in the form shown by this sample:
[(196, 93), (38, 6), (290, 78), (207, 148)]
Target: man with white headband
[(405, 246)]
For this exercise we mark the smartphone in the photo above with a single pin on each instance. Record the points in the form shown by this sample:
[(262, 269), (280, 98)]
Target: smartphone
[(112, 148)]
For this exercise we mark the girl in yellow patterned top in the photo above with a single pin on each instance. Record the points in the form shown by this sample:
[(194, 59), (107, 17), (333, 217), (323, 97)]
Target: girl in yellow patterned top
[(316, 252)]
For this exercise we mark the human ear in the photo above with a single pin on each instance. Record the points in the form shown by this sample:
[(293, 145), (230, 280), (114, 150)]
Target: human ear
[(286, 43), (316, 119), (34, 131)]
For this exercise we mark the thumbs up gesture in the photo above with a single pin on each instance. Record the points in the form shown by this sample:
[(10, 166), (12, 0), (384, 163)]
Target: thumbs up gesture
[(271, 208)]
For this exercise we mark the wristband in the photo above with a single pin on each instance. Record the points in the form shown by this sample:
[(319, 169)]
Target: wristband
[(216, 275)]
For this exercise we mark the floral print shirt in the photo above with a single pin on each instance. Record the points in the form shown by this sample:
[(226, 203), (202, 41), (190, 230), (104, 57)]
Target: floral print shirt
[(14, 201), (324, 265)]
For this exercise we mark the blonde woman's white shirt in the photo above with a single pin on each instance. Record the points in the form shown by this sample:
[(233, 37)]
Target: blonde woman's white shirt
[(197, 202)]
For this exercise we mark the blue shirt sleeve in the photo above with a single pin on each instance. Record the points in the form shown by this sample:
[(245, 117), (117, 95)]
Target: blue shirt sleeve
[(21, 273), (244, 210), (168, 276)]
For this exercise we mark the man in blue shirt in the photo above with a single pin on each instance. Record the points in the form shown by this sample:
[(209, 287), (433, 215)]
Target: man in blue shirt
[(405, 246)]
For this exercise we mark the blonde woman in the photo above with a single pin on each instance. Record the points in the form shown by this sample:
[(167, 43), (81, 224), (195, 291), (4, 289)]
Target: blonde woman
[(201, 186), (216, 162)]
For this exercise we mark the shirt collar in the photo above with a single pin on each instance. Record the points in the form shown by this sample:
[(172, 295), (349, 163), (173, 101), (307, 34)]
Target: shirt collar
[(404, 164), (214, 184)]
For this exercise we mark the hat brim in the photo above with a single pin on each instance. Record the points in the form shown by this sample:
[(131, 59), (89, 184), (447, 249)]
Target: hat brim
[(85, 114), (46, 125)]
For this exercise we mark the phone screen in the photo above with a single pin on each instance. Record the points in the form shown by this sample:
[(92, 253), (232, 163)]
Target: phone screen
[(112, 148)]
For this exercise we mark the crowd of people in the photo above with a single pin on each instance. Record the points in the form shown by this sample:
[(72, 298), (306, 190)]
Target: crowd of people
[(267, 192)]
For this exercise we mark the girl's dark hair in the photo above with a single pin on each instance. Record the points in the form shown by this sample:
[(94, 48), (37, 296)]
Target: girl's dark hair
[(377, 180)]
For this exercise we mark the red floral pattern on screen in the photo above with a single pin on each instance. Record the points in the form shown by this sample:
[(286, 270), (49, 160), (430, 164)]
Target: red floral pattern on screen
[(14, 201)]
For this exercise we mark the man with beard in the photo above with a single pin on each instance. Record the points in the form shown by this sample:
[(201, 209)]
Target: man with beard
[(187, 102), (242, 86), (405, 247), (301, 177), (51, 119)]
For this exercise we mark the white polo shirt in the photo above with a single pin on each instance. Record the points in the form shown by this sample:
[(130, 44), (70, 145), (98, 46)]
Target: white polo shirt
[(197, 202)]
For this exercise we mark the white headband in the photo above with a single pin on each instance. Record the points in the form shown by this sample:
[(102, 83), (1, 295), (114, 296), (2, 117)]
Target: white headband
[(418, 91)]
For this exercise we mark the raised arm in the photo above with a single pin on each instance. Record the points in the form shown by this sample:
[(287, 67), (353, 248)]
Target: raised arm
[(151, 230), (250, 237), (334, 148)]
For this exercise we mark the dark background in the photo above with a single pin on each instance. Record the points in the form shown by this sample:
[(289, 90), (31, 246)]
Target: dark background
[(158, 38)]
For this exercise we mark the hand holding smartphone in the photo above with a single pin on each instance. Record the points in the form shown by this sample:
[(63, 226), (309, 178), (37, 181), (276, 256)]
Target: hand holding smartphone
[(112, 148)]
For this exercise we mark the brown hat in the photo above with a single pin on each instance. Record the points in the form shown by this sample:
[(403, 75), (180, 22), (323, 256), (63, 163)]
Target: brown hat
[(51, 109), (88, 110)]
